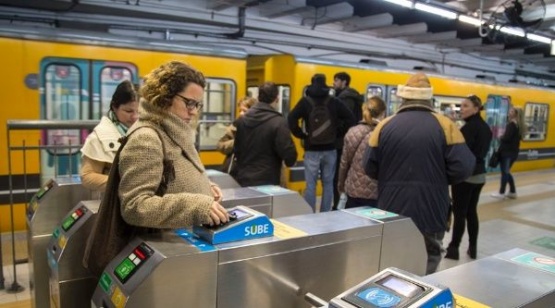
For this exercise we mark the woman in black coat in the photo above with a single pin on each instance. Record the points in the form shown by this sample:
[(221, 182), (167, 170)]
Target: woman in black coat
[(508, 153), (477, 135)]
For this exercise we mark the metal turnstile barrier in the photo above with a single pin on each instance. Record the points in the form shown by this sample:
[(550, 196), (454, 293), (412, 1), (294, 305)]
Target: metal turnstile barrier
[(514, 278), (272, 200), (45, 210), (324, 254), (71, 285), (223, 179)]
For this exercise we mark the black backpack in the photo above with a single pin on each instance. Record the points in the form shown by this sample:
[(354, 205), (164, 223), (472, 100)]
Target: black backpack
[(322, 128)]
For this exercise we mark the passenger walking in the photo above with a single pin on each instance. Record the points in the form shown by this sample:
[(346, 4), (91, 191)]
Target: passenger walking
[(360, 189), (415, 155), (171, 101), (102, 143), (508, 152), (225, 144), (263, 142), (353, 100), (477, 135), (320, 114)]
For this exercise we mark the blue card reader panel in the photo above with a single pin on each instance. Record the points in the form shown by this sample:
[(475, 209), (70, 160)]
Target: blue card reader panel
[(245, 223)]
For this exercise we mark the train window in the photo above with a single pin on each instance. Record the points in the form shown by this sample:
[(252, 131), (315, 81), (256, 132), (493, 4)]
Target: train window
[(284, 97), (375, 91), (394, 102), (450, 107), (217, 113), (63, 100), (110, 77), (535, 120)]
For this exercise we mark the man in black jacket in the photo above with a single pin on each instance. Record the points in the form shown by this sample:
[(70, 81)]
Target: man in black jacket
[(320, 156), (352, 100), (263, 141)]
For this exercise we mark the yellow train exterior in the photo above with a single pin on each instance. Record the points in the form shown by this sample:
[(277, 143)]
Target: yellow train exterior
[(36, 73), (537, 148)]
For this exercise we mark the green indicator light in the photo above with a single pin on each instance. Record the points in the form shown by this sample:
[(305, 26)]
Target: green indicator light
[(67, 223), (124, 269), (105, 282)]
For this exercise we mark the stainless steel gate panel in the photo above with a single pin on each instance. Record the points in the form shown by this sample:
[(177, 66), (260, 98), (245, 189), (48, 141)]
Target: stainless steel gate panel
[(248, 197), (500, 281), (45, 210), (177, 274), (336, 251), (71, 285), (285, 202), (223, 179)]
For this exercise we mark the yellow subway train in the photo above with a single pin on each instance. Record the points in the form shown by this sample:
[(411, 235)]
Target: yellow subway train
[(537, 151), (56, 76)]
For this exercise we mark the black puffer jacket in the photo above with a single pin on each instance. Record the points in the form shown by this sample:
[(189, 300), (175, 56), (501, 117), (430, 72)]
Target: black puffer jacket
[(353, 100), (477, 135), (262, 142)]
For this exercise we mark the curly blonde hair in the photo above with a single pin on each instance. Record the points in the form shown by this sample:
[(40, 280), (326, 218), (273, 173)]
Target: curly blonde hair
[(163, 83)]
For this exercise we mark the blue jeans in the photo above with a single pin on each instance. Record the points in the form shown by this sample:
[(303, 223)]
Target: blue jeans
[(506, 176), (319, 163)]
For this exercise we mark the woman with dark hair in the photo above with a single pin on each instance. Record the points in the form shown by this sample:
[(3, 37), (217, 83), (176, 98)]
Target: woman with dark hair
[(102, 144), (360, 189), (477, 135), (508, 152), (164, 136)]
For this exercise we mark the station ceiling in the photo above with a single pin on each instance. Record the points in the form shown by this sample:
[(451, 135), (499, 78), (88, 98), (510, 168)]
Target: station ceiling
[(304, 23)]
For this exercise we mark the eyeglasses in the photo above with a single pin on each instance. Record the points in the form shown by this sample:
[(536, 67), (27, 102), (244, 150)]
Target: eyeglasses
[(191, 104)]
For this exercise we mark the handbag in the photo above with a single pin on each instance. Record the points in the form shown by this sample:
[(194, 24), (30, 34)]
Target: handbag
[(493, 161), (110, 232)]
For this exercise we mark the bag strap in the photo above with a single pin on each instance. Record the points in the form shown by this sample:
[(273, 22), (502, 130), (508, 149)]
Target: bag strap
[(168, 172)]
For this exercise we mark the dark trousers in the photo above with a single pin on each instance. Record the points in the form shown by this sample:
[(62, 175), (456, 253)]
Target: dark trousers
[(433, 243), (336, 194), (356, 202), (506, 176), (465, 204)]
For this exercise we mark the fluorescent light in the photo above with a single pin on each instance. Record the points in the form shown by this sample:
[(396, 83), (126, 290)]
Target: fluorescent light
[(470, 20), (404, 3), (513, 31), (435, 10), (552, 49), (538, 38)]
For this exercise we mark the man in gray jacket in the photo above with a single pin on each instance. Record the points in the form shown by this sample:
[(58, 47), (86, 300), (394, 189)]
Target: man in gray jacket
[(415, 155)]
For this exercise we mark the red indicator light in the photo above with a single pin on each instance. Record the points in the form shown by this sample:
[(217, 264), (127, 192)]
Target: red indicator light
[(139, 253)]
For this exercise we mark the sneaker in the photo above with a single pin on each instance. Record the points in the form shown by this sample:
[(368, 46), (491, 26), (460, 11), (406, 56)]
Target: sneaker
[(511, 195), (498, 196)]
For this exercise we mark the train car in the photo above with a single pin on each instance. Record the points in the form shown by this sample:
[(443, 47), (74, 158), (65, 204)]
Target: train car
[(537, 150), (65, 76)]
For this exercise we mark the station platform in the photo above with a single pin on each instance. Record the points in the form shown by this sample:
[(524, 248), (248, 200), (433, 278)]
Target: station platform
[(527, 222)]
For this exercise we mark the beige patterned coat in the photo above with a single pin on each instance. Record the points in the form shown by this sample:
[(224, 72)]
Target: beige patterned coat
[(189, 196)]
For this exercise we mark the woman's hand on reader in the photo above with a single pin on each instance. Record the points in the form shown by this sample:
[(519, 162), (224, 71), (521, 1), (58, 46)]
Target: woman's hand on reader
[(218, 214)]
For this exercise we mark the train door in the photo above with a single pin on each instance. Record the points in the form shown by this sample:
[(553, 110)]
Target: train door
[(74, 89), (497, 109)]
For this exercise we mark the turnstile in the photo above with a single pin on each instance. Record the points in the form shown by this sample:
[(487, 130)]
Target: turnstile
[(515, 278), (223, 179), (45, 210), (272, 200), (71, 285), (322, 253)]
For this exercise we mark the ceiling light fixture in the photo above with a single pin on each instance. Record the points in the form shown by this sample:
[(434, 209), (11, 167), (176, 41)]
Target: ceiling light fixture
[(538, 38), (405, 3), (470, 20), (513, 31), (435, 10)]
